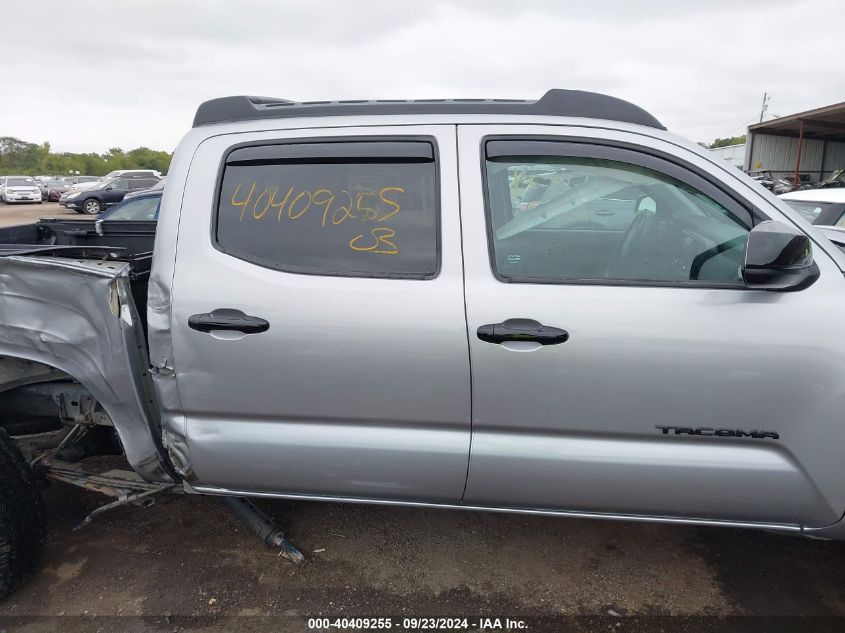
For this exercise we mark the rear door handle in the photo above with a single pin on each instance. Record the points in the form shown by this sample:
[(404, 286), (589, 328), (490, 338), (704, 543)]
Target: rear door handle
[(226, 319), (522, 330), (604, 212)]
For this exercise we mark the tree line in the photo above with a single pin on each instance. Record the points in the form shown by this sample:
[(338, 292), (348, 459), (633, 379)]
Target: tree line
[(33, 159), (724, 142)]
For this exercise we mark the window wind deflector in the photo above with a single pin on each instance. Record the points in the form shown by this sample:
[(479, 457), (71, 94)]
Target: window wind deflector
[(535, 147), (335, 152)]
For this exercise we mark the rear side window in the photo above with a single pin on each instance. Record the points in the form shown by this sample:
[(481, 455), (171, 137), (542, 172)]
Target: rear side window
[(142, 183), (361, 208)]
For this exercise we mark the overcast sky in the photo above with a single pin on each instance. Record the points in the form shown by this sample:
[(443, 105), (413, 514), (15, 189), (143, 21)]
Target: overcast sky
[(88, 75)]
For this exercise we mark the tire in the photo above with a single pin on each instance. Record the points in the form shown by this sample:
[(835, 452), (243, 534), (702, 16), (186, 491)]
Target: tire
[(22, 525), (92, 206)]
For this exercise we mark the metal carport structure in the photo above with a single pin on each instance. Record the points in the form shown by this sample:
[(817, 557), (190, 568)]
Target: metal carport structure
[(809, 144)]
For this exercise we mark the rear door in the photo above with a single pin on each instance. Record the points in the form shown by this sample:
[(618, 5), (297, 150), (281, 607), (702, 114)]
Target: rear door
[(622, 367), (318, 321), (139, 184)]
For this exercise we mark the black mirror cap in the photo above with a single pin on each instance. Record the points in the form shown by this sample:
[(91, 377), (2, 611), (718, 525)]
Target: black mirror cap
[(778, 257)]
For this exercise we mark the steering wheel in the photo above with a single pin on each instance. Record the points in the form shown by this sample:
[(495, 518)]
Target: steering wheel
[(632, 236)]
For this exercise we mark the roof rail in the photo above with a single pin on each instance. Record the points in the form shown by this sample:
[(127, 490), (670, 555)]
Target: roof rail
[(557, 102)]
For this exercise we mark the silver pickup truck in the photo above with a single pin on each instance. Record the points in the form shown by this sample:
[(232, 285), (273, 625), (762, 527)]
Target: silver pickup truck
[(549, 307)]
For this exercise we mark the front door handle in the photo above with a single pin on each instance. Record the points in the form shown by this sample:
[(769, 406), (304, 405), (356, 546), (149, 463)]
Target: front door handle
[(522, 330), (226, 319)]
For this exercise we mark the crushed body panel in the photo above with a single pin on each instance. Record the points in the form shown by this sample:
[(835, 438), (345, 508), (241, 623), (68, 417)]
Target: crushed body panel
[(78, 316)]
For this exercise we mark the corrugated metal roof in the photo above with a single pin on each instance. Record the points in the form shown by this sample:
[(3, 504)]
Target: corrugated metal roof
[(822, 123)]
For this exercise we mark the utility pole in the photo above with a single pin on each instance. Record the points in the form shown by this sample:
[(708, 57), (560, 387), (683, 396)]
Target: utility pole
[(765, 105)]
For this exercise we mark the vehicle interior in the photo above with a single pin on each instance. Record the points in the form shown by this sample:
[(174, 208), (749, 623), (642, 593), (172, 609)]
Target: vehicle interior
[(589, 219)]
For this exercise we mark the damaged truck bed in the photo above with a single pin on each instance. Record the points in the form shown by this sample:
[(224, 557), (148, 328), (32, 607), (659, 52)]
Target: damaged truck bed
[(73, 316), (79, 316)]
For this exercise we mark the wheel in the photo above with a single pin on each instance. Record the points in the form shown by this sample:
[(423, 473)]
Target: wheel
[(92, 207), (22, 527)]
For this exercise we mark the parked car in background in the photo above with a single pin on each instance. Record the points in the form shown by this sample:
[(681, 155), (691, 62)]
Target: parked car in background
[(78, 180), (19, 189), (55, 188), (159, 186), (41, 183), (819, 206), (91, 182), (94, 199), (82, 182), (133, 173)]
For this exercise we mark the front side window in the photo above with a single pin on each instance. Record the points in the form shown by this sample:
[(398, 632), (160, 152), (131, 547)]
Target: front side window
[(145, 209), (569, 219), (336, 208)]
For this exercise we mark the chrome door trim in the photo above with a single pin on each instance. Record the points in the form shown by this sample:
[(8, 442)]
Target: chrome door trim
[(780, 527)]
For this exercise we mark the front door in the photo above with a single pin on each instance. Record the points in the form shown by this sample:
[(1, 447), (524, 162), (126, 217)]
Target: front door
[(318, 318), (114, 192), (619, 364)]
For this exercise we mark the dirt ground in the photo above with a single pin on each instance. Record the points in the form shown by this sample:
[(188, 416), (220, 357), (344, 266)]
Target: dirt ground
[(188, 557), (13, 214)]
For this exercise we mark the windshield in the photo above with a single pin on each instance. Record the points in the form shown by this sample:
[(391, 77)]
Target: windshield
[(20, 182), (810, 210), (142, 209), (112, 174)]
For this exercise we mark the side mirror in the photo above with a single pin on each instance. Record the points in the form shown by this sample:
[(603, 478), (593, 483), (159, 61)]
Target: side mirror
[(778, 257), (110, 187)]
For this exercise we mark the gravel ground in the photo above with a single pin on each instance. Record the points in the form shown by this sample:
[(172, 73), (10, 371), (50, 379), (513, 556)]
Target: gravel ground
[(13, 214)]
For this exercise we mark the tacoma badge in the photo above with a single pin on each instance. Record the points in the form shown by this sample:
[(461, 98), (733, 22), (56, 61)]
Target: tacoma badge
[(711, 432)]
